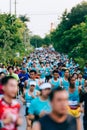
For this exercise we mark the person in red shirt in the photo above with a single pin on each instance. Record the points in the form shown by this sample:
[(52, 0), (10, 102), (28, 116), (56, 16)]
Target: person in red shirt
[(2, 75), (9, 107)]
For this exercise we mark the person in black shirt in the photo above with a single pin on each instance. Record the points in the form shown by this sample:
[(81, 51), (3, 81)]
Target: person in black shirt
[(58, 119), (83, 98)]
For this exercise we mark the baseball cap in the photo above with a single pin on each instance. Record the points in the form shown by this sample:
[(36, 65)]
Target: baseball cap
[(32, 83), (45, 85)]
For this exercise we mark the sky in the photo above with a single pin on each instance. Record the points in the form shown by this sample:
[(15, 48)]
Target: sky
[(41, 12)]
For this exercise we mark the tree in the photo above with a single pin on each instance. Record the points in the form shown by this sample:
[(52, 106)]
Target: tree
[(11, 37), (24, 18)]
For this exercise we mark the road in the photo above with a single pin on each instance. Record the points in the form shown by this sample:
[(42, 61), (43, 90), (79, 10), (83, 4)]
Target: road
[(23, 127)]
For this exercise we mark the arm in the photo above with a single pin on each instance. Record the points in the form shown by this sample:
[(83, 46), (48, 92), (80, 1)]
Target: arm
[(36, 126), (79, 124)]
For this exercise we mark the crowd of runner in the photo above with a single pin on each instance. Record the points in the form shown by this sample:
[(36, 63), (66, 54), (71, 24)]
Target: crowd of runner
[(53, 89)]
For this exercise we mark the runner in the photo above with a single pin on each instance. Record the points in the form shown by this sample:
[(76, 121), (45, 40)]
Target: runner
[(74, 105), (55, 81), (9, 108), (41, 105), (27, 98), (58, 118), (11, 73)]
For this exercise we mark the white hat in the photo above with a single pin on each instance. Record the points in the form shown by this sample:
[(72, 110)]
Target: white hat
[(45, 85), (32, 83)]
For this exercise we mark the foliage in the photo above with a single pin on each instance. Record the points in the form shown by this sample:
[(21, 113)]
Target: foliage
[(12, 31), (70, 36), (37, 41)]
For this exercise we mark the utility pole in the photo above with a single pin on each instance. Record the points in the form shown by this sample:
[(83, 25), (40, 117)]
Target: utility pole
[(15, 7), (10, 6)]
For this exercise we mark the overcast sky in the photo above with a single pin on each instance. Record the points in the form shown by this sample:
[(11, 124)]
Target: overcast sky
[(41, 12)]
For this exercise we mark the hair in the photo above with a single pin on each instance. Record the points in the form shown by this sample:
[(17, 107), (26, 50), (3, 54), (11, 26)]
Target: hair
[(66, 70), (55, 71), (5, 80), (10, 67), (59, 89), (31, 71), (2, 73)]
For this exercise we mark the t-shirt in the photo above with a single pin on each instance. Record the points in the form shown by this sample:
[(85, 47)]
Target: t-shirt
[(47, 123), (15, 76), (37, 106), (9, 109), (25, 77), (65, 84), (54, 83)]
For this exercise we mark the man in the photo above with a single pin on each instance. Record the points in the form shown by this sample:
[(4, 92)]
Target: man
[(33, 74), (55, 81), (58, 118), (74, 98), (9, 108), (65, 80), (41, 105), (23, 76), (11, 73)]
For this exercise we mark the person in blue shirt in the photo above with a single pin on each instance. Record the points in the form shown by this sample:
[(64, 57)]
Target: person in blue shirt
[(65, 80), (40, 105), (28, 96), (33, 74), (55, 81), (23, 76), (80, 81), (47, 71), (42, 72), (74, 99), (85, 71)]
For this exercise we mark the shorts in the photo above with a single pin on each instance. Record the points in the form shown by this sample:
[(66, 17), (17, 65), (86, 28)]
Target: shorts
[(26, 111), (74, 112)]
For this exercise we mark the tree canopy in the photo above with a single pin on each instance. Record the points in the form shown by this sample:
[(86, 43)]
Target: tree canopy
[(70, 35)]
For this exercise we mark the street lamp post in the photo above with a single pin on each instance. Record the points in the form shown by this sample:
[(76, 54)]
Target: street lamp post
[(10, 7), (15, 7)]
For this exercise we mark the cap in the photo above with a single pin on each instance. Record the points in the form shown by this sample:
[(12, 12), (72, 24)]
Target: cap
[(45, 85), (32, 83)]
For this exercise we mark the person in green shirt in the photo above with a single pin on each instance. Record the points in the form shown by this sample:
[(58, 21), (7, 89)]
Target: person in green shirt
[(11, 73)]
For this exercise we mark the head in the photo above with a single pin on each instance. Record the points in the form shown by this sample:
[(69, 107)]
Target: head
[(45, 90), (10, 69), (34, 64), (32, 85), (33, 74), (42, 65), (59, 101), (80, 75), (72, 82), (47, 64), (18, 68), (2, 75), (85, 85), (10, 86), (24, 65), (75, 75), (55, 74), (67, 74)]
